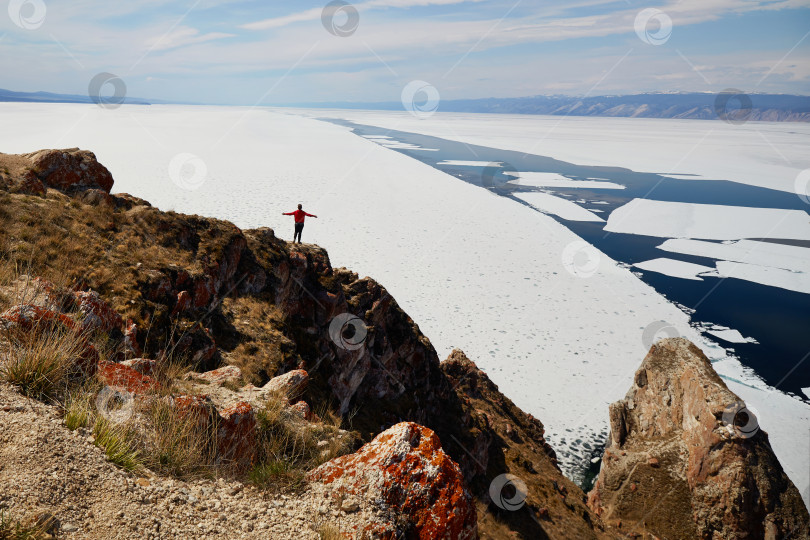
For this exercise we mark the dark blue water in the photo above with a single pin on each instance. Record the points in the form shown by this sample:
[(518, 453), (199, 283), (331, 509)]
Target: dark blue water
[(777, 318)]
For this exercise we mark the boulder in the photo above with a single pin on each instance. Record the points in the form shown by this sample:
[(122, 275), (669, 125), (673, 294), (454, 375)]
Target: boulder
[(236, 435), (220, 376), (184, 302), (687, 460), (123, 376), (69, 170), (405, 471), (142, 366), (97, 315), (131, 338), (292, 384), (303, 410)]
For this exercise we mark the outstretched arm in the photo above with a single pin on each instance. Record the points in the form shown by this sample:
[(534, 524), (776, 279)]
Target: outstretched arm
[(310, 215), (287, 213)]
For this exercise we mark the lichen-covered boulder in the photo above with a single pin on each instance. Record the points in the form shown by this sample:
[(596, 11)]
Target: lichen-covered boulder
[(407, 474), (122, 376), (97, 315), (27, 317), (292, 384), (143, 366), (236, 435), (219, 376), (303, 410), (70, 169)]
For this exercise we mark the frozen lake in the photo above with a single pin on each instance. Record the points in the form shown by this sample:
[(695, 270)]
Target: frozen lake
[(630, 215), (559, 325)]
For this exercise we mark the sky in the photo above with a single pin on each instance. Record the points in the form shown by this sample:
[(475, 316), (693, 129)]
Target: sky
[(273, 52)]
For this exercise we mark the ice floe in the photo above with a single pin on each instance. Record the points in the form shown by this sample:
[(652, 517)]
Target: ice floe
[(674, 268), (745, 251), (707, 221), (540, 179), (764, 275), (463, 163), (559, 207)]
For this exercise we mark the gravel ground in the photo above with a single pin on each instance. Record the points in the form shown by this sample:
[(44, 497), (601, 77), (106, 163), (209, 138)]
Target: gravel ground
[(46, 468)]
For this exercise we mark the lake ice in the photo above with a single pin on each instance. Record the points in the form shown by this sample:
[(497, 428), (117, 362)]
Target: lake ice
[(559, 327)]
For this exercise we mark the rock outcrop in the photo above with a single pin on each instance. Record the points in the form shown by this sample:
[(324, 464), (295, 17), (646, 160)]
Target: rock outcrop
[(686, 460), (70, 169), (405, 469)]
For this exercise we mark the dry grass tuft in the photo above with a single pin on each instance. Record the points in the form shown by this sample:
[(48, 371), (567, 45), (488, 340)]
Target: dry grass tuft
[(180, 443), (78, 408), (329, 531), (42, 364), (119, 442), (290, 447), (11, 529)]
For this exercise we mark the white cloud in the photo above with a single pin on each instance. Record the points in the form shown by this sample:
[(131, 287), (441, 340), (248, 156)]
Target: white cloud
[(315, 13), (182, 36)]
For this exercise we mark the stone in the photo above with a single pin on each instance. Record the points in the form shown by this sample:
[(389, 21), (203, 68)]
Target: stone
[(220, 376), (184, 302), (121, 376), (303, 410), (292, 384), (236, 435), (96, 313), (27, 318), (406, 472), (70, 169), (142, 366), (131, 338)]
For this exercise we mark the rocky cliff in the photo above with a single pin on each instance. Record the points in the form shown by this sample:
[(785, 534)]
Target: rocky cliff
[(204, 293), (687, 460), (254, 316)]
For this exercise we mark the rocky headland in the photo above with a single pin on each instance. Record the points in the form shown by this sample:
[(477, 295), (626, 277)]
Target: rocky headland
[(218, 382)]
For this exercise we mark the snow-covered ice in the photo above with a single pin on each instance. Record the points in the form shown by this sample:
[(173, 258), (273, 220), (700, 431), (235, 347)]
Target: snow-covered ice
[(558, 206), (674, 268), (793, 258), (467, 163), (764, 275), (707, 221), (765, 154), (495, 278), (538, 179), (730, 335)]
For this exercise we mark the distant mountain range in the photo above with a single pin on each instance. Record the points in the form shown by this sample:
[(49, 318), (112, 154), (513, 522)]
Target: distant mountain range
[(706, 106), (48, 97)]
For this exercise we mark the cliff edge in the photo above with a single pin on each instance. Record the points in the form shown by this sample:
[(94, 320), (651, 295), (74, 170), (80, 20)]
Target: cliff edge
[(687, 460)]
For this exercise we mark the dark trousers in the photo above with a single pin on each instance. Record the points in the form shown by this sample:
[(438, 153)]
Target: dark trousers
[(298, 228)]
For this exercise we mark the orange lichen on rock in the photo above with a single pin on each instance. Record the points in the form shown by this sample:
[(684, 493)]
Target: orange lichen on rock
[(27, 317), (97, 314), (406, 470), (236, 435), (122, 376)]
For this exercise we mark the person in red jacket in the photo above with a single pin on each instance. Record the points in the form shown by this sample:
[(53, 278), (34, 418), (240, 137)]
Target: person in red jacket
[(300, 215)]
